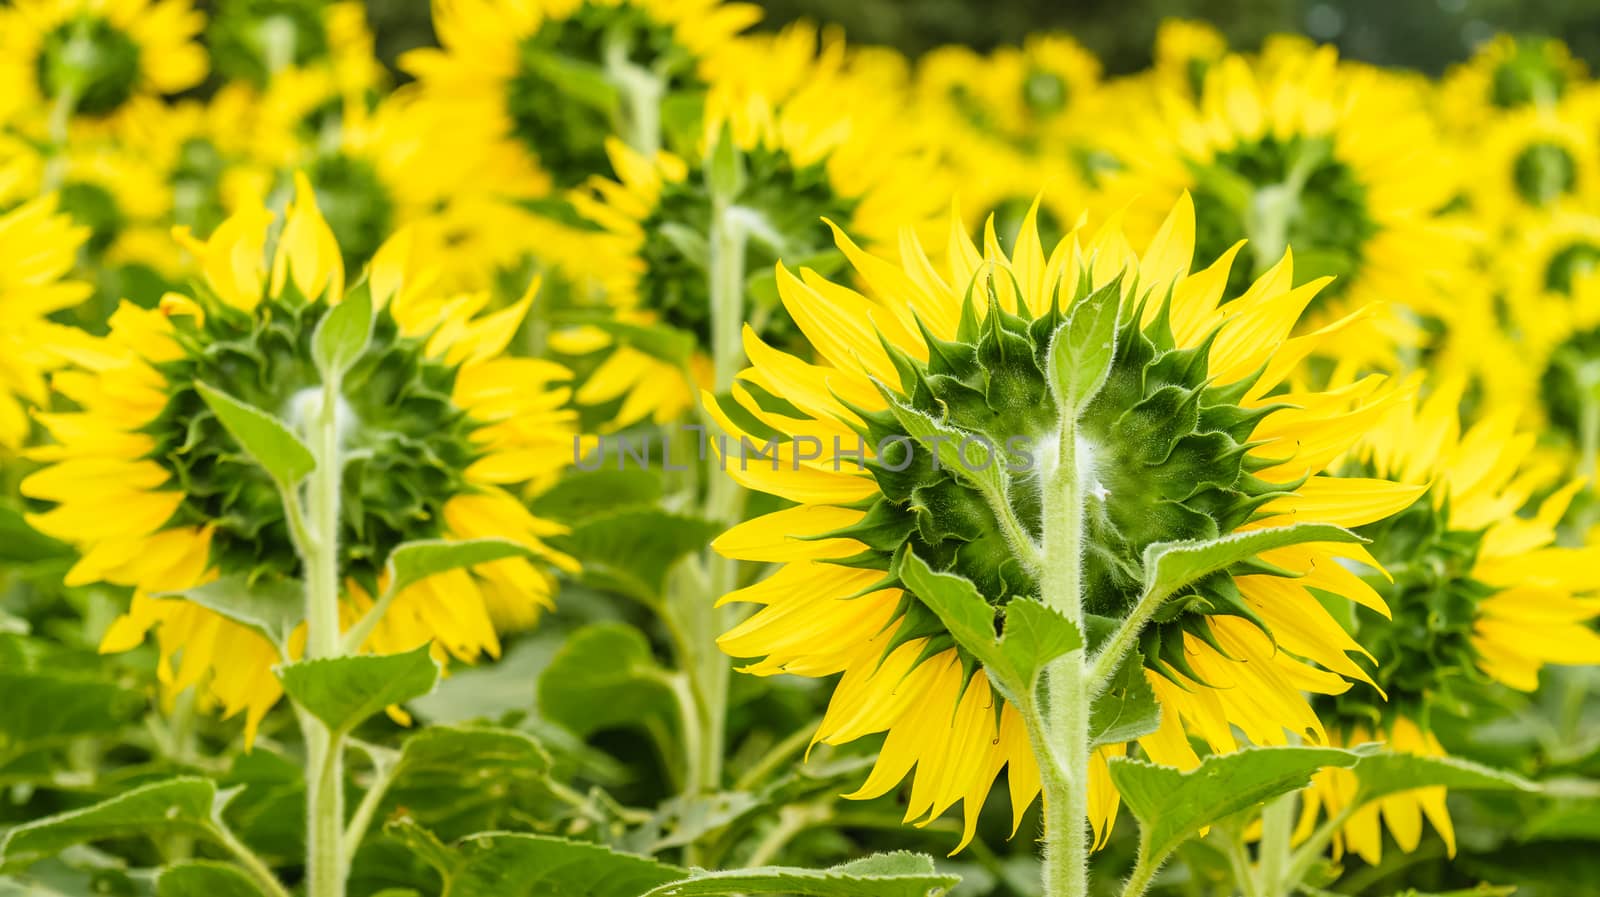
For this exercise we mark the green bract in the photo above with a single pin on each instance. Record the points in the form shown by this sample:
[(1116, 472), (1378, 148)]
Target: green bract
[(1424, 653)]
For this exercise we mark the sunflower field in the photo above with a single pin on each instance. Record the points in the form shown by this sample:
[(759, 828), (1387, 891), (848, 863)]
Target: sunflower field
[(625, 448)]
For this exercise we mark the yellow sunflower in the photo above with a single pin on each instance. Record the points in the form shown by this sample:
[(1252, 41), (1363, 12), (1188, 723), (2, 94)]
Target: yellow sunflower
[(441, 430), (524, 95), (1507, 73), (819, 152), (1480, 594), (1529, 161), (1338, 161), (257, 41), (1013, 125), (1185, 50), (38, 247), (1195, 435), (91, 57)]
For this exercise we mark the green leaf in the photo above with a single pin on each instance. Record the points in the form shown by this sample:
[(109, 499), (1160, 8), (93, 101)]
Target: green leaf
[(1080, 355), (881, 875), (498, 864), (605, 677), (202, 878), (725, 167), (1169, 566), (184, 806), (1034, 634), (344, 691), (271, 607), (263, 437), (1383, 772), (22, 544), (439, 764), (412, 562), (44, 706), (343, 333), (577, 80), (583, 494), (631, 551), (1172, 806), (1127, 709)]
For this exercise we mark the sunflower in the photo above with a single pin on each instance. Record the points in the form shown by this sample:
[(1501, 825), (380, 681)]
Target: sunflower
[(1185, 51), (119, 194), (1508, 73), (1338, 161), (1481, 595), (255, 41), (91, 58), (819, 152), (1530, 161), (1195, 435), (441, 429), (38, 247), (1011, 123), (524, 95)]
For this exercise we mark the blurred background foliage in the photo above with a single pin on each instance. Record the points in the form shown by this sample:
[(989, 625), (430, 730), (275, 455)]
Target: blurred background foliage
[(1428, 35)]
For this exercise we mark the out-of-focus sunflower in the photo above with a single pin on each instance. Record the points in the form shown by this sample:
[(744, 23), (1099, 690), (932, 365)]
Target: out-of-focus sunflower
[(1012, 124), (1507, 73), (819, 150), (38, 247), (440, 428), (119, 194), (1194, 435), (1529, 161), (1337, 161), (255, 41), (1549, 323), (91, 58), (1185, 51), (1479, 591), (202, 151), (524, 95)]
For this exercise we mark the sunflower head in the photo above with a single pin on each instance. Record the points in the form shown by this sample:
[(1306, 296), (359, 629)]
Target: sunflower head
[(96, 57), (435, 426), (929, 429), (554, 79), (811, 162), (1477, 588), (38, 247)]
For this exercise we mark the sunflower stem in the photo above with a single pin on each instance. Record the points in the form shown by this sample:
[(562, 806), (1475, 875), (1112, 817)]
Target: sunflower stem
[(1064, 758), (1144, 871), (325, 862), (1312, 850), (1277, 831), (703, 662), (641, 91)]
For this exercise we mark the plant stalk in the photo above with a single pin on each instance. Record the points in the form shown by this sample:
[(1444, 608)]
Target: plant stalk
[(326, 863), (1065, 764)]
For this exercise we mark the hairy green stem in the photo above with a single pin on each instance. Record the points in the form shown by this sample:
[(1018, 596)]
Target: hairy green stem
[(326, 862), (1144, 872), (1066, 783), (252, 864)]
